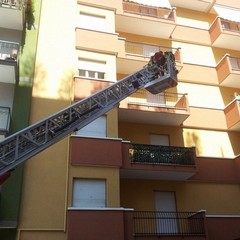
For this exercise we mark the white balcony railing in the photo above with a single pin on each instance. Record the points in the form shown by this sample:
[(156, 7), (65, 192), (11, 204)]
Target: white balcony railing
[(9, 50), (4, 119), (16, 4)]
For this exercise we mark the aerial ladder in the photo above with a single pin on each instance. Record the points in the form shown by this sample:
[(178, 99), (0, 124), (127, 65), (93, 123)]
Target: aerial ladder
[(22, 145)]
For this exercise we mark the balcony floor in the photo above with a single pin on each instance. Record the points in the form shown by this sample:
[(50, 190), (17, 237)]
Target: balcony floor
[(166, 116), (175, 175)]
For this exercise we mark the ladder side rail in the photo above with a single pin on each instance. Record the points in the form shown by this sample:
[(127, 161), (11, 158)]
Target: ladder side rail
[(33, 139)]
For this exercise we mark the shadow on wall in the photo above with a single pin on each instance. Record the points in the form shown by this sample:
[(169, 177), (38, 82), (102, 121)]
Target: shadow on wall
[(193, 140), (27, 66)]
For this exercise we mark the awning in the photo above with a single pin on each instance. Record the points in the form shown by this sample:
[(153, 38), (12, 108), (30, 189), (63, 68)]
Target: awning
[(231, 14), (154, 3)]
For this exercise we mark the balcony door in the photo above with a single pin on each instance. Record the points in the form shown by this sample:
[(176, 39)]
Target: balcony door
[(159, 139), (165, 205)]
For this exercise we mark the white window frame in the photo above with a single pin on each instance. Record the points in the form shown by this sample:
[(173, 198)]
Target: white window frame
[(159, 139), (97, 128), (92, 22), (94, 69)]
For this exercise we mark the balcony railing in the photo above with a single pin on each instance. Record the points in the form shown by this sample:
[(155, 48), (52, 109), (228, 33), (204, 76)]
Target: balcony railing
[(149, 11), (4, 119), (169, 223), (9, 50), (167, 155), (147, 50), (163, 100), (16, 4), (235, 63), (230, 26)]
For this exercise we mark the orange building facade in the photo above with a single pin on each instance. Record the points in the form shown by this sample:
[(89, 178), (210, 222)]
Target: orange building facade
[(162, 166)]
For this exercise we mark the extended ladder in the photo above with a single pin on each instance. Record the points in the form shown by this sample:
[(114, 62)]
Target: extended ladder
[(26, 143)]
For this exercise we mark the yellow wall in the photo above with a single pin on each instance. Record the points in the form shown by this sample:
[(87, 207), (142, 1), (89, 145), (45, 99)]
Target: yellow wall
[(110, 174), (208, 143), (196, 54), (112, 123), (206, 96), (194, 19), (214, 198), (140, 133), (44, 190)]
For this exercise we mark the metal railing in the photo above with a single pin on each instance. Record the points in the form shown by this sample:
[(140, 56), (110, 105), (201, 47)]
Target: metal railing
[(147, 10), (147, 50), (4, 119), (150, 223), (163, 100), (165, 155), (235, 63), (9, 50), (16, 4), (230, 26)]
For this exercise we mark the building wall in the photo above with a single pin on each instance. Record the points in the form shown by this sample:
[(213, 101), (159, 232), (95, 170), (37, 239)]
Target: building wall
[(48, 177), (44, 199), (215, 198)]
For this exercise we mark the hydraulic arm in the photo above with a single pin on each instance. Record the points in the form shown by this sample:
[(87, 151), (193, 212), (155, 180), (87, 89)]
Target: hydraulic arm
[(26, 143)]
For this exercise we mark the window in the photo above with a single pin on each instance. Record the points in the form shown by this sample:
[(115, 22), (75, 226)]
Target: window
[(4, 118), (158, 139), (166, 202), (92, 22), (235, 63), (91, 69), (225, 25), (97, 128), (149, 50), (89, 193)]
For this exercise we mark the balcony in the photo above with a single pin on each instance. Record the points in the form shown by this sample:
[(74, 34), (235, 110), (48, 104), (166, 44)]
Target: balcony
[(96, 151), (134, 160), (4, 120), (200, 6), (222, 32), (12, 14), (232, 113), (164, 108), (8, 61), (228, 71), (106, 42), (150, 224), (132, 225), (137, 54), (135, 20), (158, 162)]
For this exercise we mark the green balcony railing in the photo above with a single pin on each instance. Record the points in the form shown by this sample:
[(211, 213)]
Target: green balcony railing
[(167, 155)]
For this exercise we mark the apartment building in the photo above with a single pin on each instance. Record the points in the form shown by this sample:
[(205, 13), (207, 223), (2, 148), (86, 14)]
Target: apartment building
[(162, 166)]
